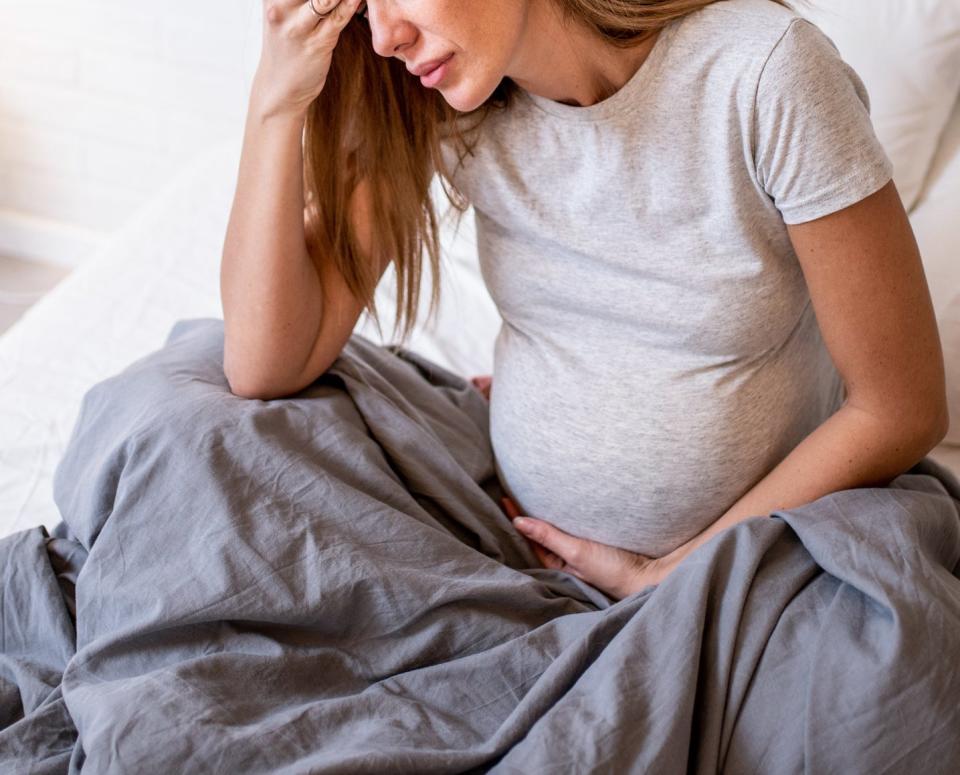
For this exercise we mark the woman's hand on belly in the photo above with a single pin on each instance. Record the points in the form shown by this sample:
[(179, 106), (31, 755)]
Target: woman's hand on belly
[(616, 572)]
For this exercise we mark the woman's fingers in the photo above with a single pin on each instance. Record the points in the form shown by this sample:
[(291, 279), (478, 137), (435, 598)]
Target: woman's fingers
[(300, 18), (482, 383), (512, 511), (564, 546), (547, 559), (297, 52), (554, 548), (614, 570), (337, 14), (277, 11)]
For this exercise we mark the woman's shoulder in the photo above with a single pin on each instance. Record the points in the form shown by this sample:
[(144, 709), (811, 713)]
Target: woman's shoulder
[(744, 29), (746, 15), (754, 45)]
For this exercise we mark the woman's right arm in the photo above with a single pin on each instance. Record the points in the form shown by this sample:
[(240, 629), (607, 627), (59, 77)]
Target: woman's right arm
[(286, 317), (269, 289)]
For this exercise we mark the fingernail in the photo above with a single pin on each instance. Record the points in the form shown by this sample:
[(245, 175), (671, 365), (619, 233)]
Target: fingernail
[(521, 522)]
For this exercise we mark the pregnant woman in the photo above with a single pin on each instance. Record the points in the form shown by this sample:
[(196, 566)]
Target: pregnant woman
[(713, 304)]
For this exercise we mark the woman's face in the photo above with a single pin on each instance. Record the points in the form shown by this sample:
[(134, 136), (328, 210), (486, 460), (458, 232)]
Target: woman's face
[(484, 37)]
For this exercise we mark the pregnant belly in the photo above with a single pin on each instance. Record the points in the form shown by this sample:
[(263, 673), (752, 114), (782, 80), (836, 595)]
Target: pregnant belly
[(645, 463)]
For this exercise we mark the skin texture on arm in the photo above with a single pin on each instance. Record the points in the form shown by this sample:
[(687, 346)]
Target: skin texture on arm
[(872, 303), (870, 295)]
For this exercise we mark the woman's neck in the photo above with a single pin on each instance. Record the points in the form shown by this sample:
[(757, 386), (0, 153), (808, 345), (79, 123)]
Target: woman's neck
[(569, 64)]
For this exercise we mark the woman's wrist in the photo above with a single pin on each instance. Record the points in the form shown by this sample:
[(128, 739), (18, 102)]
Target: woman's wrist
[(264, 105), (656, 569)]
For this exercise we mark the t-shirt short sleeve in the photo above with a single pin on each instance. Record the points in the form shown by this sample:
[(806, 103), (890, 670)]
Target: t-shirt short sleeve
[(816, 149)]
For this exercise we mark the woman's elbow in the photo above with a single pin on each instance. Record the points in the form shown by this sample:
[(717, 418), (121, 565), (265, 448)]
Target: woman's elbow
[(939, 426), (929, 427)]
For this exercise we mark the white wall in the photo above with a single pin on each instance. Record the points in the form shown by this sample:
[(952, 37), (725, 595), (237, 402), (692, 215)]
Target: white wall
[(101, 101)]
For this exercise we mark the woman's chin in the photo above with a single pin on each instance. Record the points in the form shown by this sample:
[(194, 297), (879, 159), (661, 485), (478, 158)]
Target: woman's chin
[(465, 94), (459, 101), (463, 100)]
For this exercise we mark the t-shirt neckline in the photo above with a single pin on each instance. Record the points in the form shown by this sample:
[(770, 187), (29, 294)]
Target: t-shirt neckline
[(623, 99)]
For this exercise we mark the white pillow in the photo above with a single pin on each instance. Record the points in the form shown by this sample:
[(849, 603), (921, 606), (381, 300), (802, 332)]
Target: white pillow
[(907, 52), (937, 227)]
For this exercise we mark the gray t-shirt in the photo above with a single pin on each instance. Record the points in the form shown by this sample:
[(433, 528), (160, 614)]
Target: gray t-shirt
[(659, 353)]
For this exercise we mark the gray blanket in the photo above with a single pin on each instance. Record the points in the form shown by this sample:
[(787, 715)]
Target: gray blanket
[(326, 583)]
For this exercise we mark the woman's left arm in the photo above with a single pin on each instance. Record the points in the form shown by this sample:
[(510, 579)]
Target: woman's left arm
[(870, 295)]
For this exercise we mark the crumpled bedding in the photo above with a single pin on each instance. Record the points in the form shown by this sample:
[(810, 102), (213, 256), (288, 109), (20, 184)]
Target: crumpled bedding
[(325, 583)]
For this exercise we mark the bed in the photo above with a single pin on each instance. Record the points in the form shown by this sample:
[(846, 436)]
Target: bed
[(163, 266), (155, 285)]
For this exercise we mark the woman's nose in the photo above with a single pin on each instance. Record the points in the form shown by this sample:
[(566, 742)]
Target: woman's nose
[(389, 32)]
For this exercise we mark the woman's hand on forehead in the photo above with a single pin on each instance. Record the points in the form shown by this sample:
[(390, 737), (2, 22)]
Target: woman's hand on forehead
[(328, 6)]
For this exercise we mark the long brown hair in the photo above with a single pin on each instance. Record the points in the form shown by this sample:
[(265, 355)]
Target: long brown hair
[(374, 122)]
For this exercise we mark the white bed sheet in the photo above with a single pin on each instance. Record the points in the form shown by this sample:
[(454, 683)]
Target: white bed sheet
[(164, 266), (120, 305)]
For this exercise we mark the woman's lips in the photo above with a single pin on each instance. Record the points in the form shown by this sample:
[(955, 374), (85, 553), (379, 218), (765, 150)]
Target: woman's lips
[(436, 75)]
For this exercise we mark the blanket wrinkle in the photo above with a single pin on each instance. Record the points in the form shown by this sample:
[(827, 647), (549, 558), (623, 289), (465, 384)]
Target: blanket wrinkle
[(326, 583)]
